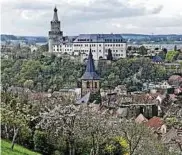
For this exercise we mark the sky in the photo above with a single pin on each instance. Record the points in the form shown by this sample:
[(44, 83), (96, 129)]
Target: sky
[(32, 17)]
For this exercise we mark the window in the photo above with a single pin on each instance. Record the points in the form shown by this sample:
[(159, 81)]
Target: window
[(113, 44), (95, 84), (99, 44), (116, 50), (99, 50), (88, 84)]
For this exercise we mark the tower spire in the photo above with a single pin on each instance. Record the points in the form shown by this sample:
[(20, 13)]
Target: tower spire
[(55, 17), (90, 72)]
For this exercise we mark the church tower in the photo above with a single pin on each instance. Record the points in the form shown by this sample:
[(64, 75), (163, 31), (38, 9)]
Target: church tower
[(90, 81), (55, 35)]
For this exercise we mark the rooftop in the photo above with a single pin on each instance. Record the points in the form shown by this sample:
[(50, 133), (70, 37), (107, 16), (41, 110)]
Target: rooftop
[(90, 73), (99, 38)]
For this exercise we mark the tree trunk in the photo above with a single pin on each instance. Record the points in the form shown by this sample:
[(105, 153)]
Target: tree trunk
[(6, 130), (14, 137)]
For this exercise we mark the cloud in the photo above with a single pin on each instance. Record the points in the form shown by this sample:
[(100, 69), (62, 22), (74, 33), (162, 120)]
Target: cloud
[(32, 17)]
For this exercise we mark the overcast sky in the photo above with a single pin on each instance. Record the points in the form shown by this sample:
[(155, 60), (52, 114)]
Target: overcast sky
[(32, 17)]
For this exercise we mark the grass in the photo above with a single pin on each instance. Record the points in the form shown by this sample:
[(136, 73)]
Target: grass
[(18, 150)]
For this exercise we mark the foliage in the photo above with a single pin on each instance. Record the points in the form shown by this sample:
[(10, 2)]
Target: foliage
[(18, 150), (162, 54), (171, 55), (142, 51), (52, 72), (109, 56), (44, 72), (40, 143), (117, 145), (15, 115), (95, 97)]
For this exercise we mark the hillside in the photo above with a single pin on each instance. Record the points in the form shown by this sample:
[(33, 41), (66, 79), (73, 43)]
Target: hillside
[(18, 150)]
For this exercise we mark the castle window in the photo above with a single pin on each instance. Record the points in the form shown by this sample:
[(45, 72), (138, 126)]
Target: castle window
[(88, 84), (95, 84)]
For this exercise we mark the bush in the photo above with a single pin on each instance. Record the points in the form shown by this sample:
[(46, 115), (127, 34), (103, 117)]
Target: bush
[(40, 143), (171, 55)]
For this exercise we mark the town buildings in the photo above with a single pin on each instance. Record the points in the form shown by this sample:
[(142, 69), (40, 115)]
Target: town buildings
[(80, 45)]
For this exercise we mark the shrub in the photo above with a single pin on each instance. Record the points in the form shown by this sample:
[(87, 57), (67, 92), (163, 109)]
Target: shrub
[(40, 143)]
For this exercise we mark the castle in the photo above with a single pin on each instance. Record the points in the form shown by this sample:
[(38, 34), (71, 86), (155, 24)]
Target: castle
[(80, 45)]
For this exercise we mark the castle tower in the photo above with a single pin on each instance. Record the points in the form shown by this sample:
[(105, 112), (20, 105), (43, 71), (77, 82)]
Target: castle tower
[(55, 35), (90, 81)]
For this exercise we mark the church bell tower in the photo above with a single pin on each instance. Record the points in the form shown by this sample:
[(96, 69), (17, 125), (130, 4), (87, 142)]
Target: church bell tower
[(90, 81)]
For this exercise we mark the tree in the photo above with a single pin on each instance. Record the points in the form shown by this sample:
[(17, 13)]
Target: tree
[(95, 130), (175, 48), (16, 115), (142, 51), (109, 56), (162, 54), (172, 55), (29, 84)]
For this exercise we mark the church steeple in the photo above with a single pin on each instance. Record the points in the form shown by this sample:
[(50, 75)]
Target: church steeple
[(55, 17), (90, 73)]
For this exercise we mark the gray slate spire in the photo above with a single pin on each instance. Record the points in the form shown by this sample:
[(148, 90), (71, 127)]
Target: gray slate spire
[(90, 73), (55, 17)]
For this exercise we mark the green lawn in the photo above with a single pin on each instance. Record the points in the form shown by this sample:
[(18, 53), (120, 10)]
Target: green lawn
[(18, 150)]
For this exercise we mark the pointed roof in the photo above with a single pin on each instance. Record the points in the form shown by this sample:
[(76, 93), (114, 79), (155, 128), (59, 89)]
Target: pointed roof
[(90, 73), (84, 99), (157, 59), (140, 119), (55, 17)]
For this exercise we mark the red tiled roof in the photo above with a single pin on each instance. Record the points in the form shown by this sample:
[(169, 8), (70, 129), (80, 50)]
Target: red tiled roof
[(155, 122)]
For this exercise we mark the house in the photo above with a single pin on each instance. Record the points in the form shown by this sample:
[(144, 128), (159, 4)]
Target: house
[(121, 90), (157, 125), (141, 119), (173, 140), (165, 85)]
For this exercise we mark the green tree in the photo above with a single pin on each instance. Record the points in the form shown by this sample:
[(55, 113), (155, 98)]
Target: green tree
[(15, 114), (109, 55), (142, 51), (29, 84)]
